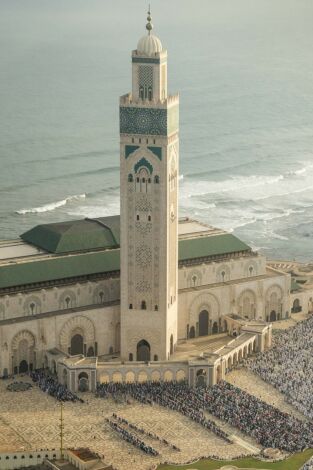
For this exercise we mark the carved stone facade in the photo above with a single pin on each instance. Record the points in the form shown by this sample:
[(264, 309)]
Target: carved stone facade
[(149, 178)]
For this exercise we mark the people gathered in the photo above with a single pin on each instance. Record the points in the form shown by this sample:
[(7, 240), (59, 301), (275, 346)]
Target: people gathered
[(308, 465), (130, 437), (269, 426), (288, 365), (49, 384), (149, 434), (177, 396)]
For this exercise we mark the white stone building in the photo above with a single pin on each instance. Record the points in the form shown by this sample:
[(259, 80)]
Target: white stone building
[(131, 287)]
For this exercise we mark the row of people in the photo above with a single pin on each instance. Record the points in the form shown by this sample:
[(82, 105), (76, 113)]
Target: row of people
[(132, 438), (150, 434), (177, 396), (288, 366), (50, 385)]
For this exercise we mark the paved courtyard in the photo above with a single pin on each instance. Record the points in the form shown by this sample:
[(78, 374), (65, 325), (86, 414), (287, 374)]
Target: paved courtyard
[(29, 420)]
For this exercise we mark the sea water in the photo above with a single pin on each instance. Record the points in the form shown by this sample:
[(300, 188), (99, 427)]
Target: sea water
[(244, 71)]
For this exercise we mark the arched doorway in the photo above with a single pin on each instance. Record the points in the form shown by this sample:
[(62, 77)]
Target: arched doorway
[(91, 352), (215, 328), (203, 323), (192, 332), (23, 367), (296, 307), (201, 378), (273, 315), (83, 382), (143, 350), (171, 345), (77, 344)]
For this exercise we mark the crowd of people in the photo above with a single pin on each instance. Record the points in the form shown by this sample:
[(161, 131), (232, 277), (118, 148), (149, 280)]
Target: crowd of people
[(149, 434), (177, 396), (266, 424), (49, 384), (269, 426), (308, 465), (131, 438), (288, 365)]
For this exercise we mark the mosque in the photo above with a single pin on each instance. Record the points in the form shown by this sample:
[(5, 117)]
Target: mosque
[(117, 298)]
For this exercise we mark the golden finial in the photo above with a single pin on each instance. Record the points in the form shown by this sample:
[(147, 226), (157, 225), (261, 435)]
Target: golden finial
[(149, 25)]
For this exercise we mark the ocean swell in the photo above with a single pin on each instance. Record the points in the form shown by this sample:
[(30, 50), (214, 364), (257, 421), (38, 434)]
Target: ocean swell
[(51, 206)]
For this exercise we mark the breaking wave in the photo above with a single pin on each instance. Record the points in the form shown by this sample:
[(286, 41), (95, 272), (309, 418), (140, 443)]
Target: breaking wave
[(51, 206)]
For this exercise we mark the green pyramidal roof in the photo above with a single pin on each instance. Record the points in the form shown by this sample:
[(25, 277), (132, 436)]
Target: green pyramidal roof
[(76, 235), (91, 247)]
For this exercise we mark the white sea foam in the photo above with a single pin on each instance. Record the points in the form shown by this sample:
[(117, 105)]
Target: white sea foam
[(51, 206), (202, 188), (301, 171), (276, 235)]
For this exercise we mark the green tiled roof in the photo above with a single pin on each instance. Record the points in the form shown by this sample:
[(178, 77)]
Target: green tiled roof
[(74, 244), (76, 235), (57, 268), (210, 246)]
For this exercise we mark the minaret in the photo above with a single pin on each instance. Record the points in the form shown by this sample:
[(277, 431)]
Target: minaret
[(149, 158)]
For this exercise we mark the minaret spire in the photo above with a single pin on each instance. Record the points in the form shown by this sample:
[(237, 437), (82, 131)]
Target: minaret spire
[(149, 25)]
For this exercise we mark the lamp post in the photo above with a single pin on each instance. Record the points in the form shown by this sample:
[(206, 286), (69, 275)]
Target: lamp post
[(61, 431)]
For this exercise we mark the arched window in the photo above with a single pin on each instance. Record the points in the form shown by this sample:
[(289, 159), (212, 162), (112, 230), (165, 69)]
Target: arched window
[(157, 179), (130, 357), (32, 307), (156, 308), (155, 358), (143, 305), (141, 92), (203, 323), (130, 306), (149, 93), (130, 178)]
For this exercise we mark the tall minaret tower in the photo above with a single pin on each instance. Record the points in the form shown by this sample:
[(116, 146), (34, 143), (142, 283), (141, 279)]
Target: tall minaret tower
[(149, 188)]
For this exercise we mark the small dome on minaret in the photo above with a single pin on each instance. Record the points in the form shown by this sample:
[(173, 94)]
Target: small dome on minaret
[(149, 44)]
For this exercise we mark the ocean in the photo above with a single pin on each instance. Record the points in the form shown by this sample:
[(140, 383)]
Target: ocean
[(244, 71)]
